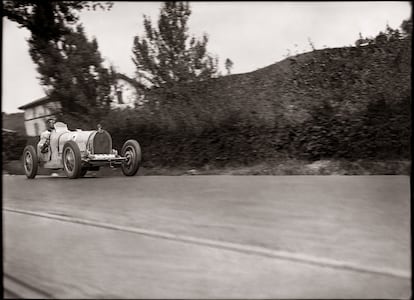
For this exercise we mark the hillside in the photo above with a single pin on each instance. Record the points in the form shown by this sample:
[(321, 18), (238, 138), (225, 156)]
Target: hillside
[(292, 86), (341, 103)]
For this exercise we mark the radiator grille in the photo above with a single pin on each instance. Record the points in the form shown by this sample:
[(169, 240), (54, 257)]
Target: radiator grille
[(102, 143)]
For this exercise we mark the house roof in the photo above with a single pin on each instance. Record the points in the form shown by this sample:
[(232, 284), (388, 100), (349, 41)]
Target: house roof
[(44, 100), (131, 81), (36, 103), (8, 130)]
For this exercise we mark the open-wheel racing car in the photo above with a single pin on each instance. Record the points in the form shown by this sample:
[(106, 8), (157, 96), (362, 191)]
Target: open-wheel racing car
[(77, 152)]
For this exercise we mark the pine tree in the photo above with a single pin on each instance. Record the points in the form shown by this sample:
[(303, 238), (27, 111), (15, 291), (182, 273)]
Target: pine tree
[(167, 55), (48, 19), (71, 70), (70, 66)]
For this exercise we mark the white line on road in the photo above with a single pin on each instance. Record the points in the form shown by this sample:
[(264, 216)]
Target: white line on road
[(21, 290), (280, 254)]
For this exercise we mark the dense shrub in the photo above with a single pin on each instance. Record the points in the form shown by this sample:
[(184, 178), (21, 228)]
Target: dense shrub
[(13, 145), (346, 103)]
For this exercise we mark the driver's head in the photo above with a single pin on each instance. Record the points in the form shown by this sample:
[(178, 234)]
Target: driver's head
[(50, 124)]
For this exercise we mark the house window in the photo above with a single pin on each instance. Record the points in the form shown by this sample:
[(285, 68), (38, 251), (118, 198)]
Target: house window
[(36, 126), (119, 95)]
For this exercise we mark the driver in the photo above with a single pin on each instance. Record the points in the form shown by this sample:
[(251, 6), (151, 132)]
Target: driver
[(44, 142)]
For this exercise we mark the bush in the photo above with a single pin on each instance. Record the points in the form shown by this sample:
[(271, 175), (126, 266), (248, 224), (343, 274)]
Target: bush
[(347, 103), (13, 146)]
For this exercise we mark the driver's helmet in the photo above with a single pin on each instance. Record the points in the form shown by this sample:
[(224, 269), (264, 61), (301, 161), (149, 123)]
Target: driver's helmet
[(50, 122)]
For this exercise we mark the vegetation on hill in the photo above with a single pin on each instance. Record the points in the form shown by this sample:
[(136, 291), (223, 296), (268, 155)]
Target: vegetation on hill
[(344, 103)]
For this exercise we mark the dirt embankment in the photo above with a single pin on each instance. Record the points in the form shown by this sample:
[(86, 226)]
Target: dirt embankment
[(288, 167)]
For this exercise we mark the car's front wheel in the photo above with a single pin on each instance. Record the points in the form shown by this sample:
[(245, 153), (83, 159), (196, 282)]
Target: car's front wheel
[(72, 160), (132, 151), (30, 161)]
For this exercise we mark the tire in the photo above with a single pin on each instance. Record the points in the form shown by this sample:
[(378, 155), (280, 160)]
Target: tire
[(132, 151), (30, 162), (71, 159)]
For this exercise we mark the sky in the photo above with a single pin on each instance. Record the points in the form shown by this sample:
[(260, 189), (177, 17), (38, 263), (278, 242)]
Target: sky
[(252, 34)]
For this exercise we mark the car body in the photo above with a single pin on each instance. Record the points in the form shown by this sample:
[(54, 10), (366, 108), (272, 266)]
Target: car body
[(77, 152)]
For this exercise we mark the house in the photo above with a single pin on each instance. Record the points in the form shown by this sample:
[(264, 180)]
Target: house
[(127, 93), (36, 113), (4, 130)]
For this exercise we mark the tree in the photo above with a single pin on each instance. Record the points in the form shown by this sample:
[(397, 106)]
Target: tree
[(167, 55), (71, 70), (229, 65), (70, 66), (48, 19)]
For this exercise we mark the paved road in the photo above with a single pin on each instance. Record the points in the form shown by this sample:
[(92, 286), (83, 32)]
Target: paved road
[(210, 236)]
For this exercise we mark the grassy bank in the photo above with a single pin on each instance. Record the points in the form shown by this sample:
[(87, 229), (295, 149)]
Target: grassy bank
[(286, 167)]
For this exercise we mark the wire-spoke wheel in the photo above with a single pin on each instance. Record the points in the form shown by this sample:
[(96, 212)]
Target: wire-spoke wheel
[(30, 161), (71, 157), (132, 151)]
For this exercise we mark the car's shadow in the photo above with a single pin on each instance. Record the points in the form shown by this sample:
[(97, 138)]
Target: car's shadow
[(63, 177), (46, 177)]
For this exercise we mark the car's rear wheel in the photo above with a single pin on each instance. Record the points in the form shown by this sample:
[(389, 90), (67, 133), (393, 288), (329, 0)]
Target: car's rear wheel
[(132, 151), (30, 161), (72, 160)]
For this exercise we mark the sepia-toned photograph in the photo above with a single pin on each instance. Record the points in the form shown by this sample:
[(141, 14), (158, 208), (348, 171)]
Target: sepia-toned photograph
[(206, 150)]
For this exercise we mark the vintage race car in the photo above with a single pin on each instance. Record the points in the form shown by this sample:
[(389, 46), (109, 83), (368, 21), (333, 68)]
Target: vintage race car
[(77, 152)]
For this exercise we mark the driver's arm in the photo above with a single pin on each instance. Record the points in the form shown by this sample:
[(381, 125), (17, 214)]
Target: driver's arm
[(44, 141)]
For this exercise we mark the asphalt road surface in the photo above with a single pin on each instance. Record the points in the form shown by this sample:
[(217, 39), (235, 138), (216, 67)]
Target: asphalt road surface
[(207, 237)]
